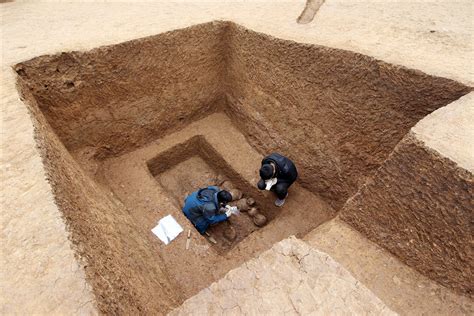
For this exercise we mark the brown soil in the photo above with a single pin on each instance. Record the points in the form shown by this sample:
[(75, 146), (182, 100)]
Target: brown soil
[(120, 126), (184, 178), (158, 169), (432, 228)]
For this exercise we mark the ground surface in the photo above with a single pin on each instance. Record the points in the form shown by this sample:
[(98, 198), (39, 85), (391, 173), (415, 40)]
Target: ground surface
[(39, 272), (289, 279), (455, 137), (403, 289)]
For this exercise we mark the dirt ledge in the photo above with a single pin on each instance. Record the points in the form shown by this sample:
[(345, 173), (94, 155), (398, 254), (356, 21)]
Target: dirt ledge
[(419, 206), (292, 279)]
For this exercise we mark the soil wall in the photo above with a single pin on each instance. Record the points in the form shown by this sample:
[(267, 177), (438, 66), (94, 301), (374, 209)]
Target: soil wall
[(419, 206), (116, 98), (121, 264), (336, 113)]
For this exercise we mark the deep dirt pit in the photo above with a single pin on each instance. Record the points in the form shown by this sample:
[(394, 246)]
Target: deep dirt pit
[(158, 178), (195, 164), (118, 125), (194, 173)]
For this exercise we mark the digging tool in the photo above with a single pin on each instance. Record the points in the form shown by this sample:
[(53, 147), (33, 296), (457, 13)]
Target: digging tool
[(188, 240), (211, 239)]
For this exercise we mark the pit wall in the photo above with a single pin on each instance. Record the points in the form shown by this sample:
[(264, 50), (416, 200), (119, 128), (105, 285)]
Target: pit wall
[(120, 259), (199, 146), (336, 113), (419, 206), (117, 98)]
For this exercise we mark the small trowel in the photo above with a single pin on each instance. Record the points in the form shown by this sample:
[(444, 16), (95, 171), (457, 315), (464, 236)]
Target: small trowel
[(211, 239), (188, 241)]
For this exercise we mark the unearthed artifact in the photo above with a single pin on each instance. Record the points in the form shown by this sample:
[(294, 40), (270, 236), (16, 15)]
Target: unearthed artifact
[(253, 211), (242, 205), (230, 234), (227, 185), (259, 220), (250, 201), (236, 194)]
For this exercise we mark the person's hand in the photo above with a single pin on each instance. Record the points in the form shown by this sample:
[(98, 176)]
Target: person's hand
[(231, 210)]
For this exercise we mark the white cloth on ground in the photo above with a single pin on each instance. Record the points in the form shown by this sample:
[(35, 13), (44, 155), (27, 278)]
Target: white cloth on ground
[(167, 229)]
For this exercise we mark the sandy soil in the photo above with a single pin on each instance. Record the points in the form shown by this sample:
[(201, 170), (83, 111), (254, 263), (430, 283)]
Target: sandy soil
[(449, 131), (399, 33), (291, 278), (419, 207), (337, 119), (403, 289)]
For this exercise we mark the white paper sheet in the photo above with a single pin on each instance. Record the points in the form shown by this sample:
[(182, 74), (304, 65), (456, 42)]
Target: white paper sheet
[(167, 229)]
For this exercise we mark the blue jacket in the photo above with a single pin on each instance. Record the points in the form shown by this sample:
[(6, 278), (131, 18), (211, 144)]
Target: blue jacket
[(201, 208)]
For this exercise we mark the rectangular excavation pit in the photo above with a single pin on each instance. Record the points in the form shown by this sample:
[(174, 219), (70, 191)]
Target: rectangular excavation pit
[(336, 113), (186, 167), (217, 142)]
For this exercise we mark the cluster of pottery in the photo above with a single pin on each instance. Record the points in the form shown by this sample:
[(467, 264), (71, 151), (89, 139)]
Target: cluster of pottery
[(243, 204), (248, 205)]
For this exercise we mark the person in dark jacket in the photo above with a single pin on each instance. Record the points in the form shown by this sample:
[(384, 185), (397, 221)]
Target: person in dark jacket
[(203, 207), (277, 174)]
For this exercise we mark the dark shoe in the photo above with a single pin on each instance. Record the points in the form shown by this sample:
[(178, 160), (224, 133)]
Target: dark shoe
[(279, 202)]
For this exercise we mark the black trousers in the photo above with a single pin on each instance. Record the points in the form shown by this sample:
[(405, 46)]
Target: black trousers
[(280, 188)]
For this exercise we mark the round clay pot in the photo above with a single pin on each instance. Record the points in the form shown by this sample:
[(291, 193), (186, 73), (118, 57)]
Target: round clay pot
[(236, 194), (259, 220), (227, 185), (242, 205), (230, 234), (233, 203), (250, 201), (253, 211)]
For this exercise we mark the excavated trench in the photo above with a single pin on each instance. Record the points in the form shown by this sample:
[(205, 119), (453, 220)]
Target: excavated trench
[(196, 164), (127, 130)]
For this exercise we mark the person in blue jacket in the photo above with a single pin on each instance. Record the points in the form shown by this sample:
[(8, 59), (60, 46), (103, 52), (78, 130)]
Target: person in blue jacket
[(203, 207), (277, 174)]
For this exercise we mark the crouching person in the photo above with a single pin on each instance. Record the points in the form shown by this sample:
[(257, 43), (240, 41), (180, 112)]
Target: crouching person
[(277, 174), (206, 207)]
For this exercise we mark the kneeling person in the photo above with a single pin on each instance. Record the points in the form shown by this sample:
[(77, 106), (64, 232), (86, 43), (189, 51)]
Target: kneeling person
[(202, 207), (277, 174)]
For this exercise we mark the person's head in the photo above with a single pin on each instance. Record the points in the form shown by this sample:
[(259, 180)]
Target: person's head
[(267, 171), (224, 197)]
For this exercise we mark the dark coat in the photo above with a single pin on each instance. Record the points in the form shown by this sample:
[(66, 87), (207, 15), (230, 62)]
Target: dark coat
[(285, 168)]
